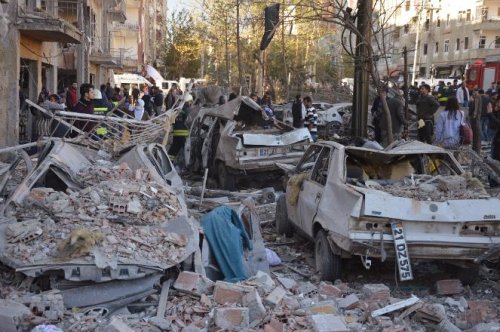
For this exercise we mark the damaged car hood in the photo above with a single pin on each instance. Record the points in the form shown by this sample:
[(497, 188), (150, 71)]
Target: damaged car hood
[(288, 138), (381, 204)]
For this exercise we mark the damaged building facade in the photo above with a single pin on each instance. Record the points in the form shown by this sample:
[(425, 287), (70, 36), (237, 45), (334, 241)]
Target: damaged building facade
[(52, 44)]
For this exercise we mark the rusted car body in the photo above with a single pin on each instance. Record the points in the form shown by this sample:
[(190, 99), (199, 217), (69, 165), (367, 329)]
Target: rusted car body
[(236, 139), (355, 197)]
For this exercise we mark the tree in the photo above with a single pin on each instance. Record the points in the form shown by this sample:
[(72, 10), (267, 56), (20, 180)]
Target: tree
[(182, 47)]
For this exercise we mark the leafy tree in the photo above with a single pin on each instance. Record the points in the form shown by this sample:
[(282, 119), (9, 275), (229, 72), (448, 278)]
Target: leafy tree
[(182, 47)]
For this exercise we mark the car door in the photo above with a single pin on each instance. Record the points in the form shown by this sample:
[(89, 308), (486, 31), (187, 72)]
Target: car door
[(312, 190), (295, 185)]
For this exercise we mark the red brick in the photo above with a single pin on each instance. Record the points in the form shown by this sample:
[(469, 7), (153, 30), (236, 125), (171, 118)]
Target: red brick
[(230, 293), (449, 287), (376, 292), (192, 281), (274, 326), (329, 291)]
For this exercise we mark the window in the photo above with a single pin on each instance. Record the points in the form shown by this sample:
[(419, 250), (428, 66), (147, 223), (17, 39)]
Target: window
[(438, 22), (436, 49), (459, 17), (407, 5), (466, 43), (407, 28), (457, 48), (427, 23), (498, 12), (484, 13), (497, 41), (446, 46), (448, 20), (320, 170), (425, 49), (482, 41), (467, 15)]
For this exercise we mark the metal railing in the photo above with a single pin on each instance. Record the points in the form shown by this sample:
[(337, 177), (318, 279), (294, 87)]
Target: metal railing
[(66, 10), (125, 26)]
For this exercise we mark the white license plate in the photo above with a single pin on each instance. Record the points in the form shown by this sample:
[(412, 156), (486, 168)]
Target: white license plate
[(402, 254)]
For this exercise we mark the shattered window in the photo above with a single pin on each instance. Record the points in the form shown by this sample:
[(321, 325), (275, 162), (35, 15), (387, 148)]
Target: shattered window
[(320, 171), (309, 159)]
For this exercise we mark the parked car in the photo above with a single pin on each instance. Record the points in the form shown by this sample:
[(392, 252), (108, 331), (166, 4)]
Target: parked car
[(412, 201), (237, 140)]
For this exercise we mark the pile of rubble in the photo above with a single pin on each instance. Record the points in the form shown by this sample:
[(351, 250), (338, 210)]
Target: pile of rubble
[(433, 188), (116, 217)]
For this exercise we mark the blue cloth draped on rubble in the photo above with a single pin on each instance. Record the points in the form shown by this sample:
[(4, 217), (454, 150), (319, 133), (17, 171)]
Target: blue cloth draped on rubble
[(226, 236)]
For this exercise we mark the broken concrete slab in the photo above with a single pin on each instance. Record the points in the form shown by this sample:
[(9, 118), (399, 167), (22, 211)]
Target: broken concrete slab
[(231, 318), (349, 302), (274, 298), (262, 281), (328, 323), (12, 314), (288, 283), (194, 282), (323, 307), (253, 302), (376, 292), (329, 291)]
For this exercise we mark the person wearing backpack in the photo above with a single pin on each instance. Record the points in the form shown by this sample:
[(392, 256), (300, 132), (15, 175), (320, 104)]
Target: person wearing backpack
[(447, 131), (494, 123)]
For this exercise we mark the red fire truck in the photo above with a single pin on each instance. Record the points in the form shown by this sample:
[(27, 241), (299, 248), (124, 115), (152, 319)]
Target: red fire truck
[(483, 72)]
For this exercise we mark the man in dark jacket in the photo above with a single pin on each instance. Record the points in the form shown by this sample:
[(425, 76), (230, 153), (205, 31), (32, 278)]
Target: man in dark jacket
[(84, 105), (397, 111), (427, 105), (297, 114)]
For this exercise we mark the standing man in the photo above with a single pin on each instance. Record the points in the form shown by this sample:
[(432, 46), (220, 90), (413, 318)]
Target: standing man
[(462, 95), (85, 105), (475, 120), (180, 132), (396, 106), (311, 118), (71, 97), (158, 100), (297, 112), (486, 108), (427, 105)]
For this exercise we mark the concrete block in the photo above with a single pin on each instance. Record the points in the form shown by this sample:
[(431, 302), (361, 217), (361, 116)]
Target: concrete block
[(351, 301), (253, 302), (12, 314), (452, 183), (376, 292), (324, 307), (232, 318), (329, 291), (328, 323), (449, 287), (274, 298), (195, 282), (262, 281), (288, 283), (307, 289), (226, 292)]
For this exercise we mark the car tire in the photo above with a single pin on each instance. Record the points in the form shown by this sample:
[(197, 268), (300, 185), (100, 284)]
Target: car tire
[(226, 180), (283, 224), (328, 264), (333, 128)]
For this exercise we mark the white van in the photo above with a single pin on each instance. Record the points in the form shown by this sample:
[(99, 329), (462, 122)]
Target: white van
[(167, 85)]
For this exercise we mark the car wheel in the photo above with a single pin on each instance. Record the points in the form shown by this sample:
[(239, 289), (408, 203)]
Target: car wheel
[(333, 128), (226, 179), (283, 225), (327, 263)]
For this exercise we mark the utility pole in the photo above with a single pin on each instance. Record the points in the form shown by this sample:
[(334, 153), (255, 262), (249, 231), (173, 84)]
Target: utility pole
[(417, 41), (407, 87), (361, 70), (238, 47)]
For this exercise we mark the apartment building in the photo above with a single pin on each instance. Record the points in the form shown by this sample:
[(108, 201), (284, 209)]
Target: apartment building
[(52, 43), (443, 36), (140, 37)]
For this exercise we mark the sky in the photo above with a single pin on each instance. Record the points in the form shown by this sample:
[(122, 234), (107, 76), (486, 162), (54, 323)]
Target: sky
[(177, 5)]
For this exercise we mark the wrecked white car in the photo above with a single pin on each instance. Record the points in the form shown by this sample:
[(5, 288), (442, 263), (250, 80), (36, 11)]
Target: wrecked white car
[(236, 140), (83, 218), (412, 202)]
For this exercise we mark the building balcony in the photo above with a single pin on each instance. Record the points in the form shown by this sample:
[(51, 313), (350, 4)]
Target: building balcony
[(132, 27), (44, 21), (486, 24), (111, 58), (117, 11)]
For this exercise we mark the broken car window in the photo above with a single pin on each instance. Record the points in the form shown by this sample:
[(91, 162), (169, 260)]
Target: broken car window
[(320, 171), (309, 159)]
